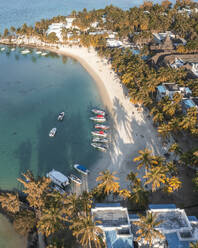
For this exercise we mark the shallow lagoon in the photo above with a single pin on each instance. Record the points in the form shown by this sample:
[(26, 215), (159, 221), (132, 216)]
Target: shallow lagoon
[(33, 90)]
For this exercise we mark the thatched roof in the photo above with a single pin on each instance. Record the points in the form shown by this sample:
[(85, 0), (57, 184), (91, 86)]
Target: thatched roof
[(167, 44)]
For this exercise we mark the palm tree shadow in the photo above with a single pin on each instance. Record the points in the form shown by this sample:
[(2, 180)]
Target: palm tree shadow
[(23, 153)]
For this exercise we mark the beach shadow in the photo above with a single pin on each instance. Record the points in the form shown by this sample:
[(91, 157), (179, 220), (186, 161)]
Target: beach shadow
[(23, 153)]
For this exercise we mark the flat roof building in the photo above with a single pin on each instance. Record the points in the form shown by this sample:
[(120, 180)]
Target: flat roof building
[(114, 221)]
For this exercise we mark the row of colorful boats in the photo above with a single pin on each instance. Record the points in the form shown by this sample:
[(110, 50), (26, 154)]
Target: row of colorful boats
[(99, 140), (60, 181)]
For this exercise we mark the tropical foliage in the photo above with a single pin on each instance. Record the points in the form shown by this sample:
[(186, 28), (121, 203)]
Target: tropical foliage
[(147, 228)]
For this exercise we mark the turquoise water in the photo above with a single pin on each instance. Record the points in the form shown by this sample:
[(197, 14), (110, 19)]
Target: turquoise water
[(33, 90), (15, 13)]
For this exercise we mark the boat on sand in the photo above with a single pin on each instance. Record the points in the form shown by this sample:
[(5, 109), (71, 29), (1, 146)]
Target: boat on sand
[(99, 133), (98, 118), (99, 146), (98, 112), (101, 140), (101, 126)]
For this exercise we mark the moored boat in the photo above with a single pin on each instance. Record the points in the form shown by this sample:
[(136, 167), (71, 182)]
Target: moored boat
[(100, 126), (61, 116), (75, 179), (99, 146), (44, 54), (26, 51), (98, 112), (3, 49), (99, 133), (52, 132), (80, 168), (38, 52), (58, 178), (98, 139), (13, 49), (97, 119)]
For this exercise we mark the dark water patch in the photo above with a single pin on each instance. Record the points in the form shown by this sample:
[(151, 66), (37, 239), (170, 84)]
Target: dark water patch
[(23, 154)]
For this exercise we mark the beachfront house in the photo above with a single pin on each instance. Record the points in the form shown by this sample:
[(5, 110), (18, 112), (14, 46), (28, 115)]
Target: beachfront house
[(189, 103), (160, 37), (177, 63), (169, 89), (166, 41), (57, 29), (194, 69), (187, 10), (178, 228), (112, 43), (115, 224)]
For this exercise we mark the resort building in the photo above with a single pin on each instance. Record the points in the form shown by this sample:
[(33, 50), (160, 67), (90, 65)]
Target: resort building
[(169, 89), (177, 63), (120, 231), (159, 37), (114, 221), (57, 29), (166, 41), (189, 103), (114, 43), (178, 228), (195, 69)]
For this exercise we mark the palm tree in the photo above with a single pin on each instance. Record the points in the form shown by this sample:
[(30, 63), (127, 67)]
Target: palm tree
[(145, 159), (176, 149), (108, 183), (172, 184), (194, 244), (10, 202), (71, 206), (50, 220), (156, 176), (147, 228), (86, 231), (36, 190), (85, 202), (25, 221), (137, 194)]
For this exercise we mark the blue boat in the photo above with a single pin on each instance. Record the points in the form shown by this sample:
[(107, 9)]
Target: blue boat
[(81, 169)]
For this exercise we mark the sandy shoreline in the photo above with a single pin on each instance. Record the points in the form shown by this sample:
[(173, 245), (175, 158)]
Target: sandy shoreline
[(132, 129)]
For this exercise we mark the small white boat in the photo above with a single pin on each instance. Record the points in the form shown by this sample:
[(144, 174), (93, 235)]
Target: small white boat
[(99, 133), (58, 178), (100, 147), (26, 51), (13, 49), (52, 132), (61, 116), (98, 112), (97, 139), (98, 118), (81, 169), (38, 52), (44, 54), (75, 179), (3, 49), (100, 126)]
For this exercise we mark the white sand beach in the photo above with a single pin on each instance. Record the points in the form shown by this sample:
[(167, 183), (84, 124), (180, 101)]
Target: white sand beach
[(131, 129)]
